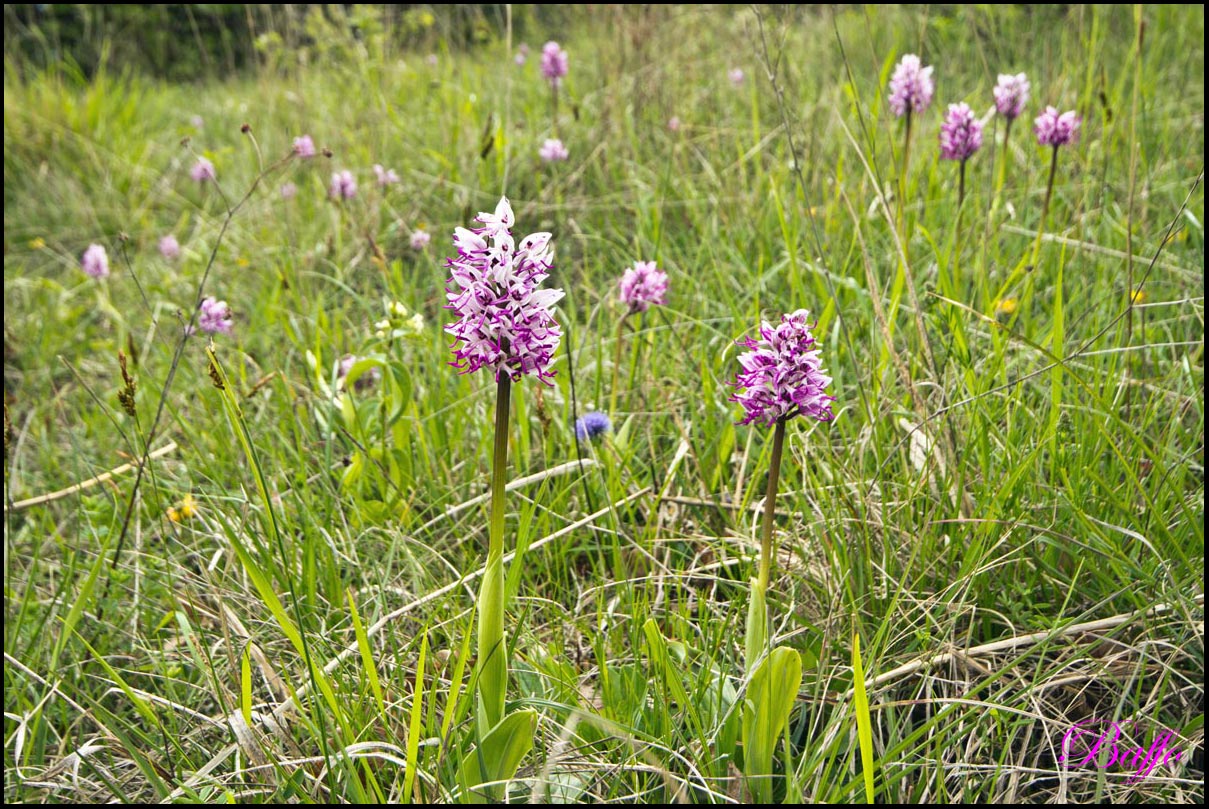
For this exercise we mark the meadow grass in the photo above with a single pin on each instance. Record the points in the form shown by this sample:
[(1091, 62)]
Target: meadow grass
[(1007, 509)]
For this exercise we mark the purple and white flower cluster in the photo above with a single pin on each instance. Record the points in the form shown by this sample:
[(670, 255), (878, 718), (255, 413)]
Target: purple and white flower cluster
[(385, 176), (170, 248), (554, 63), (420, 239), (782, 375), (304, 146), (203, 170), (95, 261), (1011, 94), (1054, 129), (642, 285), (960, 134), (214, 317), (343, 186), (506, 322), (553, 151), (911, 86)]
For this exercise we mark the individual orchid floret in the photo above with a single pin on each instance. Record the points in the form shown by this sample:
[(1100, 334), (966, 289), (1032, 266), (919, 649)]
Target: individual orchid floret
[(506, 322), (782, 375), (911, 86), (642, 285)]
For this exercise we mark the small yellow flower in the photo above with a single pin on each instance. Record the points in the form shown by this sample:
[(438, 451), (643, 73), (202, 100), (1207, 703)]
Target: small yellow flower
[(37, 244), (242, 262), (1137, 296), (186, 510), (1006, 307)]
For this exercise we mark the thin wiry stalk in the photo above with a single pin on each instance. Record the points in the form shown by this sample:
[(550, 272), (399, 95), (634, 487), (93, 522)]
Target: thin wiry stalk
[(1049, 192)]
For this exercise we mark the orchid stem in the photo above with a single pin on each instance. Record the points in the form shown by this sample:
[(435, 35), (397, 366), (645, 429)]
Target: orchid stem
[(902, 181), (1003, 169), (1049, 192), (961, 189), (757, 610), (617, 365), (492, 659), (770, 502)]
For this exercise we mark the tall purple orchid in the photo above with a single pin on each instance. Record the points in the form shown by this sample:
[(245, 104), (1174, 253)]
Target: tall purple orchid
[(911, 89), (642, 286), (505, 324), (782, 377), (1055, 130), (555, 64), (1011, 94)]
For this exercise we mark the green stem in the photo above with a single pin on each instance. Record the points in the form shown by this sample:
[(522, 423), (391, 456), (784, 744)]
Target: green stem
[(902, 182), (1007, 136), (953, 258), (499, 463), (612, 412), (757, 612), (492, 661), (640, 337), (961, 191), (1049, 192), (770, 502)]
